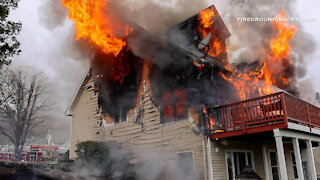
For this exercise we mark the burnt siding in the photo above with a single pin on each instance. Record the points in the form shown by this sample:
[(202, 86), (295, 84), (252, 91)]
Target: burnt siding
[(145, 134), (149, 134)]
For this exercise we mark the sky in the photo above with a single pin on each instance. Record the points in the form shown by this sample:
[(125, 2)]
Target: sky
[(310, 8), (47, 45), (43, 51)]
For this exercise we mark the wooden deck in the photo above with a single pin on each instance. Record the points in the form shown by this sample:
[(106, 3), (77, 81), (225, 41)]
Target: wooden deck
[(259, 115)]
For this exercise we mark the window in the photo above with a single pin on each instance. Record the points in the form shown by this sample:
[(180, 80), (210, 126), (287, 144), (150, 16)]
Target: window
[(33, 157), (185, 163), (305, 170), (237, 161), (294, 166), (174, 105), (274, 165)]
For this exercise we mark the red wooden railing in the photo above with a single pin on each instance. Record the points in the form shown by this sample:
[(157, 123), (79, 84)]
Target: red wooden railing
[(260, 114)]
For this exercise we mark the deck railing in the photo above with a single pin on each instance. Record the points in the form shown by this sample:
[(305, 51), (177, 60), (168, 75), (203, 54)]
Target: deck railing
[(261, 114)]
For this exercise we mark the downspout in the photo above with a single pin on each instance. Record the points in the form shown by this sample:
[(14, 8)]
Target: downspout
[(205, 160), (210, 159)]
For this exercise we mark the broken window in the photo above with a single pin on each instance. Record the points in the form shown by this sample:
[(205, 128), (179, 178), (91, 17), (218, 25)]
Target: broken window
[(174, 105)]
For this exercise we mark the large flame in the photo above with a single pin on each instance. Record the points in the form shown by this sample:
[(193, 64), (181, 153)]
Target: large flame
[(279, 58), (206, 17), (217, 45), (94, 23), (272, 72)]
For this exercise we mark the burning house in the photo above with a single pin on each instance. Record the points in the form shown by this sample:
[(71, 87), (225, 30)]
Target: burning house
[(167, 96)]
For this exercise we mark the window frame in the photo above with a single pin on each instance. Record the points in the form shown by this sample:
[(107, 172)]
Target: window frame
[(269, 157), (187, 151), (292, 155), (173, 102), (232, 159)]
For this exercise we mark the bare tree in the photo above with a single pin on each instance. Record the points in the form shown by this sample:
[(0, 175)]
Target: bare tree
[(23, 98)]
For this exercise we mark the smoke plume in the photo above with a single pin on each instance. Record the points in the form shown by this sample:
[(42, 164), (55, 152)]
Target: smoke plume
[(157, 15), (249, 41), (52, 14)]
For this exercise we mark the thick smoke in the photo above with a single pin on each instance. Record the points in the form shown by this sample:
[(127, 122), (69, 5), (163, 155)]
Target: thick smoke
[(249, 41), (157, 15), (154, 18), (126, 163), (52, 14), (67, 58)]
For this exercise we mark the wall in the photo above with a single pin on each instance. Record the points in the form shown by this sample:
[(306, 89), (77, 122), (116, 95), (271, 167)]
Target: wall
[(219, 158), (85, 118), (288, 148), (148, 135), (316, 155), (145, 135)]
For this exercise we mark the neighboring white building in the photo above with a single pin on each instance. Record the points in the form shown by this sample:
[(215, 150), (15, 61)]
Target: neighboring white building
[(53, 147)]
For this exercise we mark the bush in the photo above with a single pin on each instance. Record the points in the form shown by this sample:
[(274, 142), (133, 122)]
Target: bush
[(92, 151), (109, 157)]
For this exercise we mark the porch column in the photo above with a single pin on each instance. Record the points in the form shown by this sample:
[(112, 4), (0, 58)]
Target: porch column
[(281, 158), (210, 169), (297, 156), (311, 164), (265, 162)]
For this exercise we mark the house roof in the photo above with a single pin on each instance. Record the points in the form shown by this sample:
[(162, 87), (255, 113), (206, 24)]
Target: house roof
[(36, 141), (70, 109)]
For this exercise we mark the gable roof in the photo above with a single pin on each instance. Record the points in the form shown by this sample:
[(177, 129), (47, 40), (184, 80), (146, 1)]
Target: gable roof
[(85, 79), (219, 23), (36, 141)]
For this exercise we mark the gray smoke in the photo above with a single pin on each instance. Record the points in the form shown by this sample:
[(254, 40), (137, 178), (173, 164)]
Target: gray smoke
[(157, 15), (307, 91), (126, 163), (52, 14), (249, 41), (69, 59)]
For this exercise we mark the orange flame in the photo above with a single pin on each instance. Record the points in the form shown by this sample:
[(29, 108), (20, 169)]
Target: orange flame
[(212, 122), (279, 60), (206, 18), (206, 24), (273, 69), (280, 47), (92, 24)]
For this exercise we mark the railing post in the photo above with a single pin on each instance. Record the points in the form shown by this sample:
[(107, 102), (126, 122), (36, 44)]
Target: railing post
[(309, 120), (284, 109), (243, 117)]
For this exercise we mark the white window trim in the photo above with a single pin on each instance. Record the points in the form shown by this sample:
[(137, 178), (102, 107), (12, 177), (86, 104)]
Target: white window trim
[(186, 151), (269, 159), (292, 152), (232, 159)]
